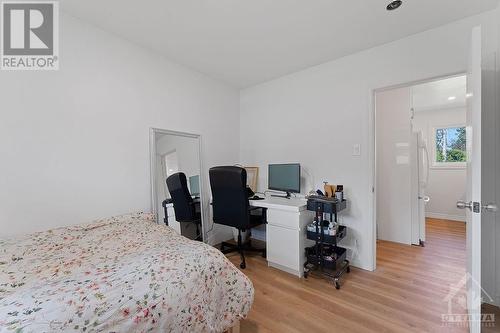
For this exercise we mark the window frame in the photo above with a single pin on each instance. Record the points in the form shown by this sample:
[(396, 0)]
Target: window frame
[(445, 165)]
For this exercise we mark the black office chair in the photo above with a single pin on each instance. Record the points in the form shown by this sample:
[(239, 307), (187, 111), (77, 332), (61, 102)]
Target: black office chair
[(185, 208), (231, 207)]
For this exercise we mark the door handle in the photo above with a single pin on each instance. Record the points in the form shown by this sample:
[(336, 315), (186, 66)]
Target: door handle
[(425, 198), (489, 207), (463, 205)]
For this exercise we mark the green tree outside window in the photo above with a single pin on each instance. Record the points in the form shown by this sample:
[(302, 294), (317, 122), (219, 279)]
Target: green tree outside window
[(451, 145)]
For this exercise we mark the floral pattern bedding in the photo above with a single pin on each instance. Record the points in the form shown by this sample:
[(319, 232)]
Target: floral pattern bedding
[(121, 274)]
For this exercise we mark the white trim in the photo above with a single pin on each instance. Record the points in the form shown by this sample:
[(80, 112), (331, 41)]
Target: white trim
[(458, 218), (372, 165), (449, 166), (285, 269)]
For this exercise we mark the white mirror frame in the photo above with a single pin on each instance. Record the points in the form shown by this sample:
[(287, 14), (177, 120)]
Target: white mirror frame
[(152, 170)]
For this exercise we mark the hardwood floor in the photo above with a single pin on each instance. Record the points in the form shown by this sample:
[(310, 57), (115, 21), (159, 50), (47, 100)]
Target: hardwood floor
[(405, 294), (490, 309)]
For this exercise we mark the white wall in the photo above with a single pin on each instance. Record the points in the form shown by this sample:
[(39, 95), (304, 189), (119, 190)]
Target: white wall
[(315, 116), (74, 144), (446, 185)]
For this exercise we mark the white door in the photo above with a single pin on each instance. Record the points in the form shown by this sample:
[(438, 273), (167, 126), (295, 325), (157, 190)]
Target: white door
[(419, 161), (423, 181), (473, 190)]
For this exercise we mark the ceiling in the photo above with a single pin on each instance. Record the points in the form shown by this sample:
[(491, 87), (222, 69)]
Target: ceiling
[(248, 42), (446, 93)]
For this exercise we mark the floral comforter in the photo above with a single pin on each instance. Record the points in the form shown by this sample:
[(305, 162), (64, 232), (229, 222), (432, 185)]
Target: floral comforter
[(122, 274)]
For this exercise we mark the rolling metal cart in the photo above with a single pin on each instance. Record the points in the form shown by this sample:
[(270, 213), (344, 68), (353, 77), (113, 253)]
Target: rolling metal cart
[(326, 257)]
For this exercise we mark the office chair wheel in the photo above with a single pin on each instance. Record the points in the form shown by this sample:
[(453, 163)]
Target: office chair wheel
[(348, 269), (243, 265), (337, 284), (306, 274)]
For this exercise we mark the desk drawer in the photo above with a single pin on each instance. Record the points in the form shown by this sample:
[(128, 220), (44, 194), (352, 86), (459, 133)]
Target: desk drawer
[(283, 247), (283, 219)]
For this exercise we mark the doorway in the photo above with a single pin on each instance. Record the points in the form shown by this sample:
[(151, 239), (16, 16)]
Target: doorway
[(482, 274), (420, 158), (421, 172)]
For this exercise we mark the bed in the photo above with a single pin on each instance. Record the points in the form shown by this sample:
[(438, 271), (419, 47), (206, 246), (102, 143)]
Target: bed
[(121, 274)]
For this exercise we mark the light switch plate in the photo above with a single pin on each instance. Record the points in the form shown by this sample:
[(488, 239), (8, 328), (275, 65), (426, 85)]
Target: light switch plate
[(356, 149)]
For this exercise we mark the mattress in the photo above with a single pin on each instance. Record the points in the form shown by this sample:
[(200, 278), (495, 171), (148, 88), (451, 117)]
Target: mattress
[(120, 274)]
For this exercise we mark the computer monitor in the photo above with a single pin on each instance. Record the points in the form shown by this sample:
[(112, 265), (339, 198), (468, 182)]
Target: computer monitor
[(284, 177), (194, 185)]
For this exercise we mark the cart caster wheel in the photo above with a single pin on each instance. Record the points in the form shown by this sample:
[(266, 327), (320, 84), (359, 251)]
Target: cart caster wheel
[(337, 284), (243, 265), (348, 269)]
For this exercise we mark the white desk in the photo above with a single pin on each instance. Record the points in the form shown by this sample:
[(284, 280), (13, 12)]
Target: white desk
[(286, 233)]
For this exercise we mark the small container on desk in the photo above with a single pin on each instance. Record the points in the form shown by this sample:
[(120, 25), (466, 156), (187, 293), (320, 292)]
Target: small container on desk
[(326, 256)]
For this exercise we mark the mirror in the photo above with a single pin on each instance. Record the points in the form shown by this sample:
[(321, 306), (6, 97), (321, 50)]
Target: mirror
[(175, 181)]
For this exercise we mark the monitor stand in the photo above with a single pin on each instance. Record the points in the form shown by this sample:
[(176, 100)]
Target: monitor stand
[(287, 196)]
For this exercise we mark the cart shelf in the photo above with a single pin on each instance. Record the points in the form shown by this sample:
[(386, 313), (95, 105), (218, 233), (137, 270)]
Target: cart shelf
[(325, 256)]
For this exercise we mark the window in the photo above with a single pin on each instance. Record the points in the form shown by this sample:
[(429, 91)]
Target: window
[(450, 146)]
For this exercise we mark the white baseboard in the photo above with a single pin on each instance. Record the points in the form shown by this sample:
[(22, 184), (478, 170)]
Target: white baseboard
[(458, 218), (356, 263), (285, 269)]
